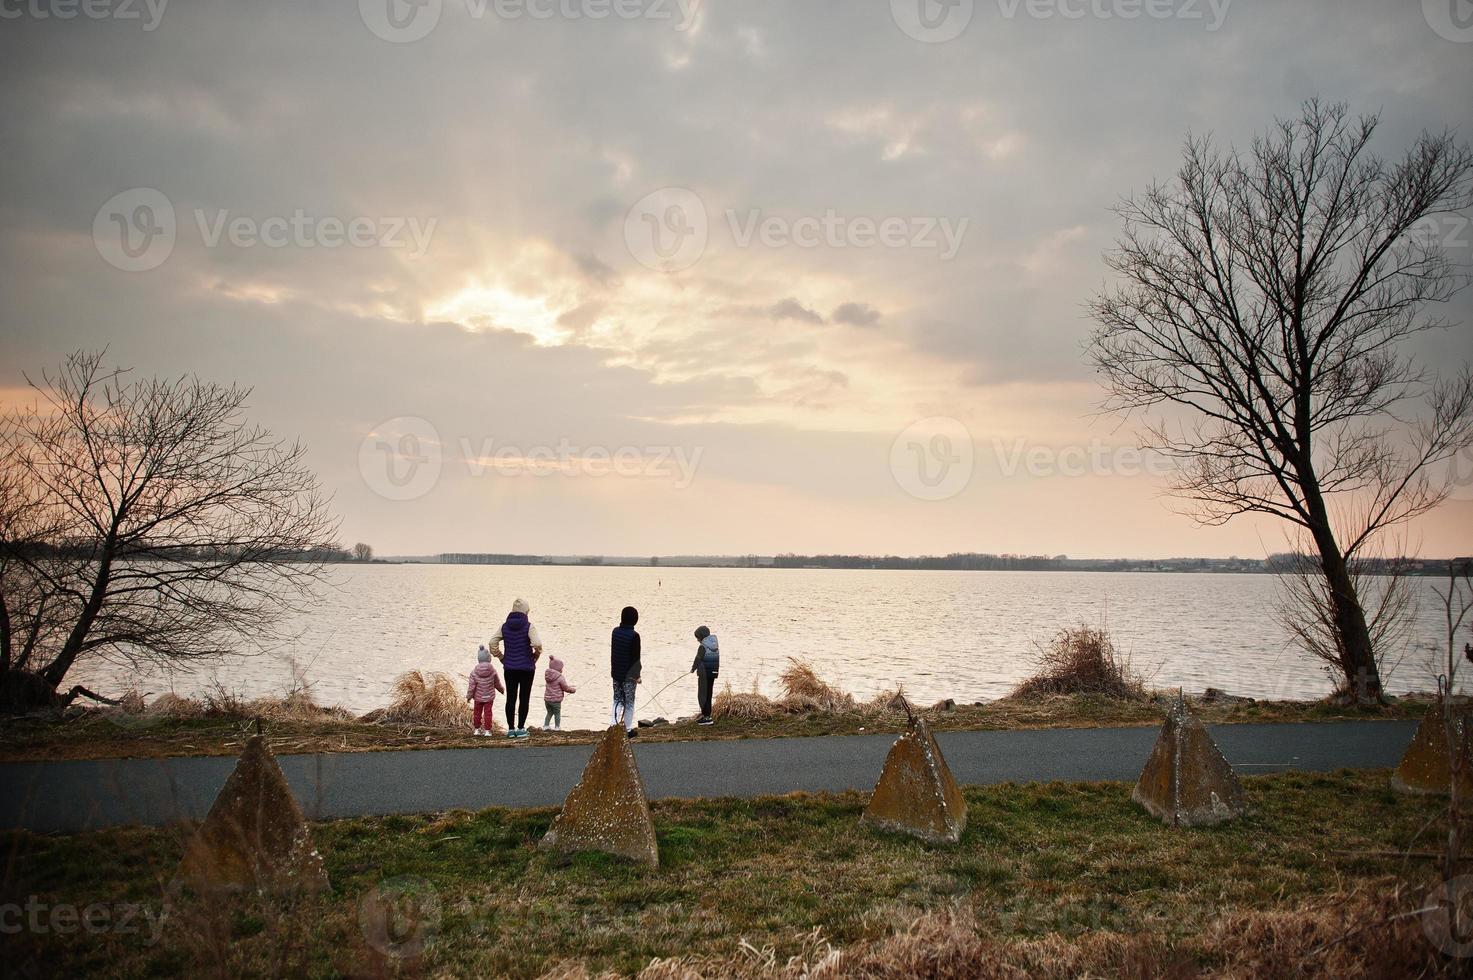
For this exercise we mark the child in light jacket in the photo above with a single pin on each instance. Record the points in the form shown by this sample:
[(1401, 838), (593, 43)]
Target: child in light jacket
[(557, 688), (484, 685)]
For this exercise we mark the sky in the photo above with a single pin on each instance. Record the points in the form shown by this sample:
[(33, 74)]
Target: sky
[(644, 277)]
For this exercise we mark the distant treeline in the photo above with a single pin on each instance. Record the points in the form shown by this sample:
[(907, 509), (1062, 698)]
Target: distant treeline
[(966, 562), (86, 550), (969, 561), (1063, 563)]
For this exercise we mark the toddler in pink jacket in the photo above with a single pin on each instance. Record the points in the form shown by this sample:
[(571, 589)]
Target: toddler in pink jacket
[(557, 688), (485, 682)]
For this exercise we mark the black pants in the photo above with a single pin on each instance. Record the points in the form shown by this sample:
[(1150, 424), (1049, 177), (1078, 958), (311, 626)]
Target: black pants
[(705, 682), (518, 697)]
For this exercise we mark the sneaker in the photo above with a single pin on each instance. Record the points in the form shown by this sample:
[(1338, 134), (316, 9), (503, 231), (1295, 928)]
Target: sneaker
[(511, 733), (521, 733), (476, 732), (634, 733), (706, 721)]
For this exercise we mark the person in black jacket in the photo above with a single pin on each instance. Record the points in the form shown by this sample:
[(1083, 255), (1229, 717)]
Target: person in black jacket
[(624, 668)]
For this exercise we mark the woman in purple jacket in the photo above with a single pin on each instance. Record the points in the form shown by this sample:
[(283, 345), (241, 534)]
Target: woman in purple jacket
[(522, 646)]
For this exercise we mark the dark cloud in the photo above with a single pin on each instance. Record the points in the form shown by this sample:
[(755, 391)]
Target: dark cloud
[(596, 269), (791, 309), (856, 314)]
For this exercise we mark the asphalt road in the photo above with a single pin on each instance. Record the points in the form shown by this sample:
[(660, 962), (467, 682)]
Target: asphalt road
[(72, 796)]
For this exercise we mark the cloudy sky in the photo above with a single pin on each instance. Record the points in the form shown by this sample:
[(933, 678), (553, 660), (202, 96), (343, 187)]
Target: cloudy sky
[(720, 278)]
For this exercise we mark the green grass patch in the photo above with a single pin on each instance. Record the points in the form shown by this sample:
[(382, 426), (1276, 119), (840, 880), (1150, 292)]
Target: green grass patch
[(1036, 860)]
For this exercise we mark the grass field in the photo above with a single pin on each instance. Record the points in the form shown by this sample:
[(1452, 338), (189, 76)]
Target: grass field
[(1056, 879)]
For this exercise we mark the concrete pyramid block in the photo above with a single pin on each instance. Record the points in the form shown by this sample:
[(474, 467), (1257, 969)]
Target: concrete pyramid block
[(607, 811), (1187, 781), (1427, 765), (917, 794), (255, 836)]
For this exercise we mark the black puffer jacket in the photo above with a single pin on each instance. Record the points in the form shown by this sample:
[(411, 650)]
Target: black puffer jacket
[(624, 646)]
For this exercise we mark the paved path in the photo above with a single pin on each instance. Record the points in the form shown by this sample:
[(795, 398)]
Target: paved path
[(65, 797)]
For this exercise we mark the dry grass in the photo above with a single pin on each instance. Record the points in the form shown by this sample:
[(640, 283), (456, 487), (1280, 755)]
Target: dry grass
[(1351, 935), (431, 700), (804, 690), (1082, 660), (804, 693), (170, 705), (296, 705), (744, 706)]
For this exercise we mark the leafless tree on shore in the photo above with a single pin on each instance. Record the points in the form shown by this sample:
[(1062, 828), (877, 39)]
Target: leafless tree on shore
[(1386, 590), (144, 521), (1260, 322)]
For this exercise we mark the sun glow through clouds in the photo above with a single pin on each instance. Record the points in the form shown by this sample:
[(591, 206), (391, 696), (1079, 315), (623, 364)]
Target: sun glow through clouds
[(493, 307)]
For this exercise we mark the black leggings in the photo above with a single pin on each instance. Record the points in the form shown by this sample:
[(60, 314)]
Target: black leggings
[(518, 697)]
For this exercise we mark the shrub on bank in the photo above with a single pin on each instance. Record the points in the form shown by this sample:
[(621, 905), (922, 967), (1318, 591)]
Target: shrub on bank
[(804, 693), (430, 699), (1082, 660), (744, 705)]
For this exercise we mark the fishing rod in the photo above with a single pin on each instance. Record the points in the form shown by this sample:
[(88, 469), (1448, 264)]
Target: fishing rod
[(656, 696)]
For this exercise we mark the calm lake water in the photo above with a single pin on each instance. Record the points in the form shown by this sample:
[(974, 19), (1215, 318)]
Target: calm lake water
[(965, 635)]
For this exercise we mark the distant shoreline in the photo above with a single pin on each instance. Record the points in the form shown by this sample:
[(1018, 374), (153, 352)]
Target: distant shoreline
[(1275, 565)]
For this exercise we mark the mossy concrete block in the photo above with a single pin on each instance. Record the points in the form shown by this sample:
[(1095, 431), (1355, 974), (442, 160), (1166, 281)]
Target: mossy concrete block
[(1187, 781), (607, 811), (917, 794), (255, 836), (1427, 765)]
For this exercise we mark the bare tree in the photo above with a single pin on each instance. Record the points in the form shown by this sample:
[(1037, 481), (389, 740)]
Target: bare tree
[(1457, 604), (1457, 608), (1260, 322), (1383, 585), (362, 552), (145, 521), (31, 614)]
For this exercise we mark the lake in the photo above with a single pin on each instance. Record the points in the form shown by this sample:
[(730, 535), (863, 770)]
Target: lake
[(964, 635)]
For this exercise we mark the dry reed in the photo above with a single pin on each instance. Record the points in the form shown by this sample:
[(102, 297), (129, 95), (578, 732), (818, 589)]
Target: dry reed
[(744, 705), (805, 691), (1358, 934), (431, 699), (1082, 660)]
